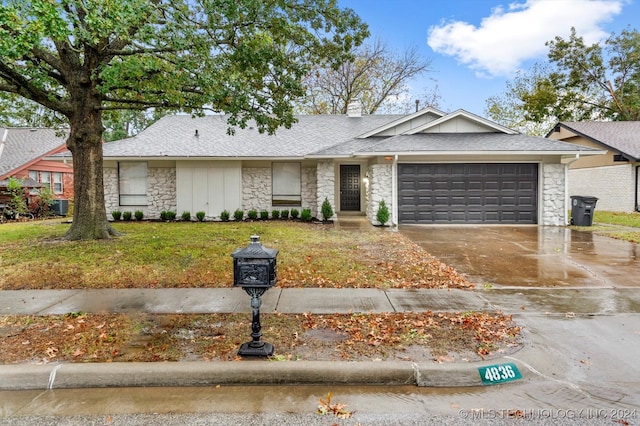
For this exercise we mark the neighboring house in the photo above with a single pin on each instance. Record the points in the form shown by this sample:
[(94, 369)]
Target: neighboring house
[(22, 155), (613, 177), (429, 167)]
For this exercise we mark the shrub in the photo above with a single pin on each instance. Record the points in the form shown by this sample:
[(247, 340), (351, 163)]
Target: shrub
[(138, 214), (116, 214), (326, 210), (167, 215), (284, 214), (382, 215), (252, 214), (224, 216), (44, 201), (126, 216), (264, 215), (294, 213), (275, 214), (305, 216), (200, 216), (238, 215), (186, 216)]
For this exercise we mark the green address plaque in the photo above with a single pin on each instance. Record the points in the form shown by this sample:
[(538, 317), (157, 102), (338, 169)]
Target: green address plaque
[(499, 373)]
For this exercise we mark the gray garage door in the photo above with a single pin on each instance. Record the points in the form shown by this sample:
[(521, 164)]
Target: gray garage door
[(468, 193)]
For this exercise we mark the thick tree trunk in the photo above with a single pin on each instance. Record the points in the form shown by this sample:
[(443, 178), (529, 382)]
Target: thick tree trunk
[(85, 143)]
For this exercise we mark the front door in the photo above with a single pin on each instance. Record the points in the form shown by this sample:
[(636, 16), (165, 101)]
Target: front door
[(350, 188)]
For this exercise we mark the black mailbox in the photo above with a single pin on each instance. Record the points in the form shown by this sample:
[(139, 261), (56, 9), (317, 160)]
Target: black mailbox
[(254, 269), (254, 265)]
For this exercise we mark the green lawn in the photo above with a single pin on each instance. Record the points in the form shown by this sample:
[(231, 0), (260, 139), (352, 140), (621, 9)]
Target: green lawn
[(190, 254), (615, 225)]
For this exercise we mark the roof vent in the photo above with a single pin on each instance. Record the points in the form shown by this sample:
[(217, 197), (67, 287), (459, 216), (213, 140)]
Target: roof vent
[(354, 109)]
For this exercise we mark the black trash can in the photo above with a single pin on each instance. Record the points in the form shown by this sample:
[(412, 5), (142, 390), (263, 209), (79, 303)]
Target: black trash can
[(582, 209)]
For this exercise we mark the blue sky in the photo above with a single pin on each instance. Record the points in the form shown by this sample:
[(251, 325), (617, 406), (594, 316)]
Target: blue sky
[(477, 45)]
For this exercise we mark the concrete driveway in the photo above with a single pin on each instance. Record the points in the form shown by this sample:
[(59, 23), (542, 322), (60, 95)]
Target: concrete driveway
[(531, 256)]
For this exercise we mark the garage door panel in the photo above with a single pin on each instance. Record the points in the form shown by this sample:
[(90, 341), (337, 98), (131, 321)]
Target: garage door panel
[(468, 193)]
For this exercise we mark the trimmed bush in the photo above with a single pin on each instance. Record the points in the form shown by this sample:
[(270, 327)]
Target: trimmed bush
[(238, 215), (126, 216), (305, 216), (264, 215), (186, 216), (200, 216), (224, 216), (167, 215), (284, 214), (275, 214), (295, 213), (138, 214), (252, 214), (326, 210), (116, 214), (382, 215)]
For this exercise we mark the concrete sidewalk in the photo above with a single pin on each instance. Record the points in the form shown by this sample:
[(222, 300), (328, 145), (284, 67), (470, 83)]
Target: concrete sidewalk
[(511, 300), (532, 302)]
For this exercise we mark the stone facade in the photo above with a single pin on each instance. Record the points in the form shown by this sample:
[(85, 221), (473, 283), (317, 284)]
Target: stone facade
[(161, 191), (256, 188), (380, 188), (309, 189), (614, 186), (326, 182), (553, 195)]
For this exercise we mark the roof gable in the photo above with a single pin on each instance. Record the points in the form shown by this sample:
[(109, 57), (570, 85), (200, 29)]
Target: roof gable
[(406, 123), (621, 136), (461, 121)]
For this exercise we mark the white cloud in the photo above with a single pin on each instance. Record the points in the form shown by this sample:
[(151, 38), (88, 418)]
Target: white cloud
[(513, 35)]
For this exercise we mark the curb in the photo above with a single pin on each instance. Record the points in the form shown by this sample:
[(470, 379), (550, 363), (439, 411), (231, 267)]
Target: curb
[(137, 374)]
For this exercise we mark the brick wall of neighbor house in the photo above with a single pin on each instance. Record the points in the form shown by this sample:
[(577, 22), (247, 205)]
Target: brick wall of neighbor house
[(613, 186), (326, 186), (553, 200), (380, 188), (256, 188)]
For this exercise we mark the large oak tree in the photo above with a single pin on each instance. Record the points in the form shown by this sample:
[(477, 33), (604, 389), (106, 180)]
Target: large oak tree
[(81, 58)]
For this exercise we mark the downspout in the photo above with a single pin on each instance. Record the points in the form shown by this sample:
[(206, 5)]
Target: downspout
[(394, 190)]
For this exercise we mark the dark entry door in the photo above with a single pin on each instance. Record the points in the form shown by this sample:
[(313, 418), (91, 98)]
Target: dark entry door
[(350, 188)]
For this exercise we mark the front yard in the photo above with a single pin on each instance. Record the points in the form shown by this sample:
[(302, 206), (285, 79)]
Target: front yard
[(157, 255)]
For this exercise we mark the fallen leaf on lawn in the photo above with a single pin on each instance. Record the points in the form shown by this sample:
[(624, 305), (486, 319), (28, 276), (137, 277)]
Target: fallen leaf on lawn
[(51, 352)]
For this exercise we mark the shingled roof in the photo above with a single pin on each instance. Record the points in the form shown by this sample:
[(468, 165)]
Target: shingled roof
[(175, 136), (25, 145), (622, 136)]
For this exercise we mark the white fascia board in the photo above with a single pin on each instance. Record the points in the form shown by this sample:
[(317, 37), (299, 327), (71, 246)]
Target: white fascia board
[(467, 153), (465, 114), (400, 121), (182, 158)]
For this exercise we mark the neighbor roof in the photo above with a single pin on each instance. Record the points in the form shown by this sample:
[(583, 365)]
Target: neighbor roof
[(26, 145), (622, 136)]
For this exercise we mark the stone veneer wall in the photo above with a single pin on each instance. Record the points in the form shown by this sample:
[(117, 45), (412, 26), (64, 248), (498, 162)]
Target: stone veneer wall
[(326, 186), (111, 195), (309, 189), (380, 188), (161, 191), (553, 194), (256, 188)]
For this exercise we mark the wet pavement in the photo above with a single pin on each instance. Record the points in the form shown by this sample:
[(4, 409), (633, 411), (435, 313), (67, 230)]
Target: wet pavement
[(532, 256)]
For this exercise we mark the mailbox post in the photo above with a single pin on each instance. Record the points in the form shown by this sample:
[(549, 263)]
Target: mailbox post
[(254, 269)]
